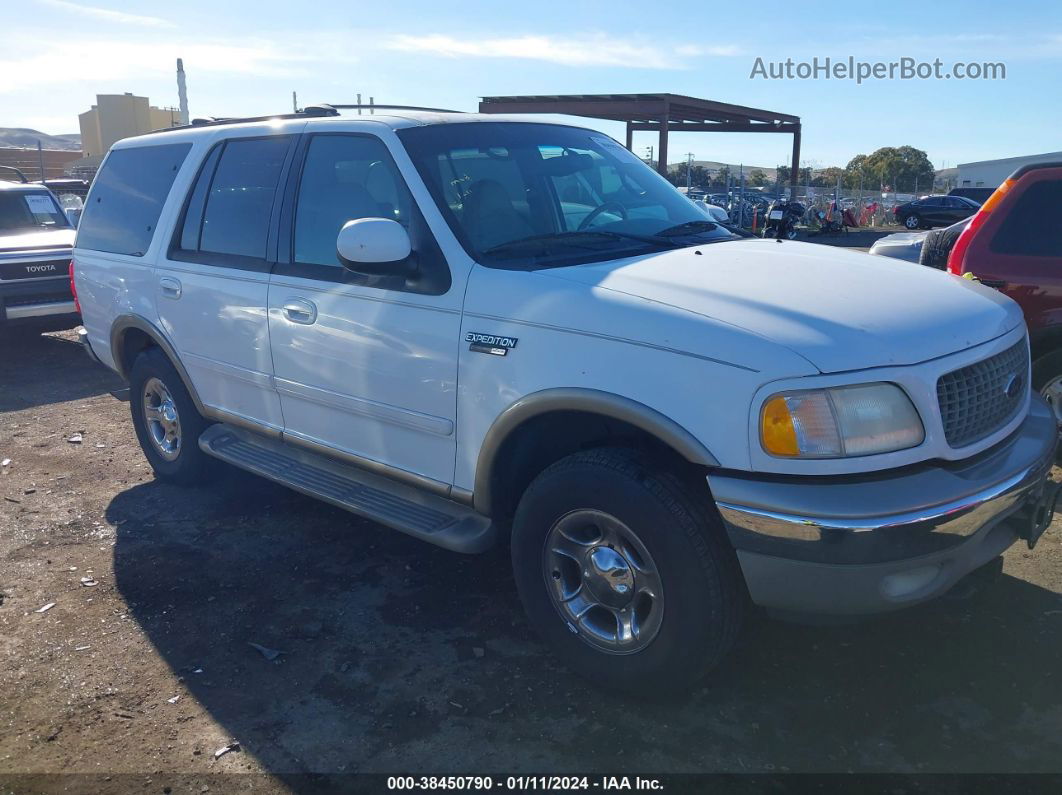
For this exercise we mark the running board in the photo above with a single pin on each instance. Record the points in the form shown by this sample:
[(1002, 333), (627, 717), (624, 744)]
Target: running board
[(425, 516)]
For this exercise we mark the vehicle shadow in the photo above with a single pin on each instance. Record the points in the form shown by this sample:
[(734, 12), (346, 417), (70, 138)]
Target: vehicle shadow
[(61, 371), (402, 658)]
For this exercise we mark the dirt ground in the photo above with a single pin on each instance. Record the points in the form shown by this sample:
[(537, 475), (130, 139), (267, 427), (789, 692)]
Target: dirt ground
[(402, 658)]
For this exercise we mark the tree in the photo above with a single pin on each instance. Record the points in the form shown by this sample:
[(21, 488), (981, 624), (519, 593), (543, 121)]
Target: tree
[(757, 178), (904, 169), (827, 177)]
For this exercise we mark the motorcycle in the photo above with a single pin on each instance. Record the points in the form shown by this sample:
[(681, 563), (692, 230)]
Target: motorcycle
[(782, 217)]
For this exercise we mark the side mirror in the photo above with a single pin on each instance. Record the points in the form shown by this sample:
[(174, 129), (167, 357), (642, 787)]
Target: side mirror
[(372, 245)]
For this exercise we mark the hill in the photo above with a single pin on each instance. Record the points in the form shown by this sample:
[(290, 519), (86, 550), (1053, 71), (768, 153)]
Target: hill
[(25, 138)]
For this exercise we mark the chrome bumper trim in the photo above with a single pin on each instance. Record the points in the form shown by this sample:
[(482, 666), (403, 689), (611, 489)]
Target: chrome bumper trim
[(41, 310)]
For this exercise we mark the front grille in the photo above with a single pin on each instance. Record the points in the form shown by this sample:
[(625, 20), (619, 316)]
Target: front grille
[(979, 399)]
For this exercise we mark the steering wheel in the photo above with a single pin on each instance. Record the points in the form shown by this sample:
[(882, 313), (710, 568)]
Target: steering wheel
[(593, 214)]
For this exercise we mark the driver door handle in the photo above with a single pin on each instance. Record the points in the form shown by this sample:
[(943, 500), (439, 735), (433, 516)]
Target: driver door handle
[(299, 310)]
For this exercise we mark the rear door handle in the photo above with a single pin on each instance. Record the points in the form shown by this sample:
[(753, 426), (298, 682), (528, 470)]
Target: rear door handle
[(171, 288), (299, 310)]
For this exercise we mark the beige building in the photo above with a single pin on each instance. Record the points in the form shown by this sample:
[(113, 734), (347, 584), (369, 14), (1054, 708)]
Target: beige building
[(117, 116)]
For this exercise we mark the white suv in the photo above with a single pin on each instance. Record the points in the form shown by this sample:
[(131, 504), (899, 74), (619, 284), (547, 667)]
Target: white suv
[(477, 328)]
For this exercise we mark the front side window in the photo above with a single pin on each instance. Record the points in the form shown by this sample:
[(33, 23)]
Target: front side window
[(1030, 228), (126, 199), (521, 195), (29, 211), (344, 178)]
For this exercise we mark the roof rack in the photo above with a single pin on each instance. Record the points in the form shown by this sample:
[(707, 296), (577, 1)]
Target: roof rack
[(310, 111), (391, 107)]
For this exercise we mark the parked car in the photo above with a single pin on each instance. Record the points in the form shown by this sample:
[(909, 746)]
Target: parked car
[(900, 245), (716, 213), (979, 195), (36, 241), (1014, 244), (465, 328), (930, 211)]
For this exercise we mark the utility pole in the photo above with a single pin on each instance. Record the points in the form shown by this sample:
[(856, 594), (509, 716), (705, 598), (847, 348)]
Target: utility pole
[(40, 158), (649, 155), (359, 104), (294, 103), (689, 167)]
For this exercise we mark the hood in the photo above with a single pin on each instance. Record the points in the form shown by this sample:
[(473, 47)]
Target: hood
[(48, 238), (840, 310)]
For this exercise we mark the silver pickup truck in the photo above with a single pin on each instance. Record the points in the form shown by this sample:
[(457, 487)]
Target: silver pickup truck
[(35, 249)]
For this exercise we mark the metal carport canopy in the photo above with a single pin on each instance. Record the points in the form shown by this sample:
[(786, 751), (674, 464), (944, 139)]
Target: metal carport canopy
[(662, 113)]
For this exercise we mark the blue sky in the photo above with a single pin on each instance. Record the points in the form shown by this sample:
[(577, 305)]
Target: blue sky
[(247, 58)]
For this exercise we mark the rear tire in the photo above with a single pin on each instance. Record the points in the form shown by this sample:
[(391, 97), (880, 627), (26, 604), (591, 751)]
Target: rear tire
[(938, 244), (912, 221), (167, 424), (603, 525)]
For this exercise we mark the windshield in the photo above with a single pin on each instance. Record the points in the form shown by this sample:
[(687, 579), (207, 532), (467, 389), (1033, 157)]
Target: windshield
[(29, 211), (521, 195)]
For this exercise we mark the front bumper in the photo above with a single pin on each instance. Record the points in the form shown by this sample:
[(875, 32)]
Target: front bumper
[(876, 542)]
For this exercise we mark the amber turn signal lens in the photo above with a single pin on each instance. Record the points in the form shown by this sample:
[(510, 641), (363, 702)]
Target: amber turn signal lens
[(777, 431)]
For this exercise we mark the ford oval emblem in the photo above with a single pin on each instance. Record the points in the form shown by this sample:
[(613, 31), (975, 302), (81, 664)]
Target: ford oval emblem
[(1013, 386)]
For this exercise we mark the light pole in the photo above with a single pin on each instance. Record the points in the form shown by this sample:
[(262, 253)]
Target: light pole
[(689, 167)]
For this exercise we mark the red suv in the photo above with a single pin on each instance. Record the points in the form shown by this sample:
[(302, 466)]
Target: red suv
[(1014, 243)]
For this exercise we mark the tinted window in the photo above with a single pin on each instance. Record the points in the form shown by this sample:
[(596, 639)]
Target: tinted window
[(344, 177), (240, 199), (127, 198), (29, 211), (193, 216), (1031, 228)]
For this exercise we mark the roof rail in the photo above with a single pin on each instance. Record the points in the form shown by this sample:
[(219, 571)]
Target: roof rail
[(392, 107), (212, 121), (21, 176), (310, 111)]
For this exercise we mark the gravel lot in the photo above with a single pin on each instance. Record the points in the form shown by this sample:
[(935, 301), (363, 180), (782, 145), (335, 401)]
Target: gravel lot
[(399, 657)]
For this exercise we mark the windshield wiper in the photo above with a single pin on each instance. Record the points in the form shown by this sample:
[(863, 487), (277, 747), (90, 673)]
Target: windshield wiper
[(689, 227), (568, 239)]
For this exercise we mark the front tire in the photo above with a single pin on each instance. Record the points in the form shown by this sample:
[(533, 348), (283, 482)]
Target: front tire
[(912, 221), (166, 422), (624, 569)]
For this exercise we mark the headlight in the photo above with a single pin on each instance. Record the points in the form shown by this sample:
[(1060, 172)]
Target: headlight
[(842, 421)]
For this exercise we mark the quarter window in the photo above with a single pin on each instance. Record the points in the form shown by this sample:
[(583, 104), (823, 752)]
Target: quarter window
[(127, 197)]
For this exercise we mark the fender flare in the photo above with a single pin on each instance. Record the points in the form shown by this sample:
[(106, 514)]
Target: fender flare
[(124, 323), (592, 401)]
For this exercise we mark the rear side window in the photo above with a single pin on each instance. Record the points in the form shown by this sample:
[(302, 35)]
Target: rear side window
[(227, 217), (1031, 228), (127, 197)]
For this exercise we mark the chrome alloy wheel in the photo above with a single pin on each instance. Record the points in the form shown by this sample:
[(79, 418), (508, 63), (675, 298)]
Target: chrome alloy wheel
[(161, 419), (603, 581)]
